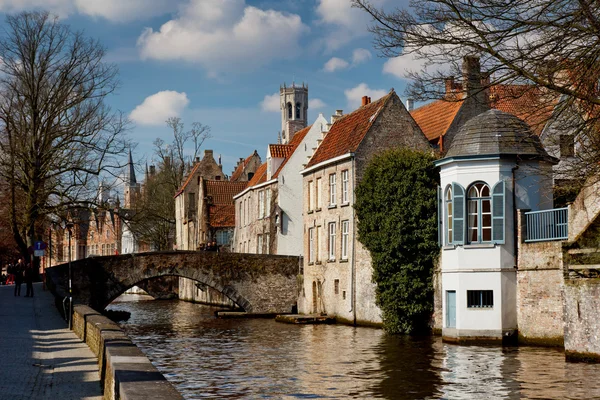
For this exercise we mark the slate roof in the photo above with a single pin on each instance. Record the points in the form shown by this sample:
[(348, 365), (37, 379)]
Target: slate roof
[(496, 132), (347, 133)]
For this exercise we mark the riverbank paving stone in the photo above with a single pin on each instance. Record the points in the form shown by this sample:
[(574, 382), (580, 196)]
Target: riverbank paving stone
[(40, 358)]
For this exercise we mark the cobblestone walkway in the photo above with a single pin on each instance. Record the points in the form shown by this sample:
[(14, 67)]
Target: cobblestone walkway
[(39, 357)]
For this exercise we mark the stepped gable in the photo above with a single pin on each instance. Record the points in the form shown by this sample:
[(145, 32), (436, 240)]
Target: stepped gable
[(222, 207), (435, 118), (346, 134), (293, 145), (237, 173), (497, 133)]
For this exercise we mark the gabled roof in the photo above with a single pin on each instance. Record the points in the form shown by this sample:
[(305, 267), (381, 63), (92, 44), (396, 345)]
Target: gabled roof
[(280, 150), (188, 179), (347, 133), (260, 176), (435, 118), (293, 145), (240, 168)]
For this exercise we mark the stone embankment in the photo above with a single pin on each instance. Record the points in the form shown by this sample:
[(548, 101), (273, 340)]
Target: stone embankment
[(125, 372)]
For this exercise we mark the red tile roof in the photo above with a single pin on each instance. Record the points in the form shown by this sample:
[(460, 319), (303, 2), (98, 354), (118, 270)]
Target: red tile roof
[(346, 133), (293, 144), (222, 192), (280, 150), (530, 103), (221, 211), (240, 168), (221, 215), (260, 176), (435, 118)]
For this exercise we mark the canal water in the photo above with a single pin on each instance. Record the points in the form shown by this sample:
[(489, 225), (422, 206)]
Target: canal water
[(206, 357)]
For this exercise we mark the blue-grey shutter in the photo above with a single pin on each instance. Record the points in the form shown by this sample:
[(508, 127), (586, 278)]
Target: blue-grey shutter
[(458, 219), (440, 207), (498, 207)]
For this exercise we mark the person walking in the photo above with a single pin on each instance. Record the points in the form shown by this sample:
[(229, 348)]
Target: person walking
[(18, 272), (29, 276)]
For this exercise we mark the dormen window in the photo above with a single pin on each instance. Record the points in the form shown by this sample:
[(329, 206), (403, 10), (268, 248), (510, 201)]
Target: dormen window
[(479, 213)]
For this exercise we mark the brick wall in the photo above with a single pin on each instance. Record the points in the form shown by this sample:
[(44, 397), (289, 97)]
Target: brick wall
[(582, 325), (539, 291)]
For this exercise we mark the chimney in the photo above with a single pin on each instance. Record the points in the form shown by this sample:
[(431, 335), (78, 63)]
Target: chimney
[(338, 114), (152, 170), (471, 70), (197, 159), (365, 100), (410, 105), (208, 153), (449, 83)]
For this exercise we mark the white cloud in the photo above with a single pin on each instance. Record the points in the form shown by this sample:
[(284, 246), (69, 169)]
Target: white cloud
[(224, 35), (360, 56), (355, 94), (155, 109), (113, 10), (399, 66), (334, 64), (270, 103), (343, 23), (316, 104)]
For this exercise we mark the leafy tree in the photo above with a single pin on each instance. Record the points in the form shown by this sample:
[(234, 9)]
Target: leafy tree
[(396, 211), (548, 47), (56, 133)]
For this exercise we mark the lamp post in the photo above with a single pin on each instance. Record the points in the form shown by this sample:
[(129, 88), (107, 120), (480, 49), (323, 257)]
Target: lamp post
[(69, 226)]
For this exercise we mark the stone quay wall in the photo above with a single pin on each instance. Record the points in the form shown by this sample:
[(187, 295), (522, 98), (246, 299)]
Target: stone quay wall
[(582, 325), (125, 372)]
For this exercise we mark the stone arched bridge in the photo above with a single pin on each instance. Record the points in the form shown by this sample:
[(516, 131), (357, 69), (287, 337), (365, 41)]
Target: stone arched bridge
[(257, 283)]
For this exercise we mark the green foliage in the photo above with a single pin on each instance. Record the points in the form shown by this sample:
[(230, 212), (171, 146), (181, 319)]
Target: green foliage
[(397, 222)]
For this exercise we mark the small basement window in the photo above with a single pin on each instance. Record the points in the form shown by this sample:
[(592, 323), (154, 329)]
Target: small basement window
[(480, 298)]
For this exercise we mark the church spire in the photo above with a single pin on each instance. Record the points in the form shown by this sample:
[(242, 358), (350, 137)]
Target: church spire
[(132, 180)]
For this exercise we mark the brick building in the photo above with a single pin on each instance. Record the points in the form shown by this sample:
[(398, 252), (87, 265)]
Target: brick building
[(337, 268)]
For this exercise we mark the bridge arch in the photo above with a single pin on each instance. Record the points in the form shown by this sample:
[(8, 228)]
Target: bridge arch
[(256, 283)]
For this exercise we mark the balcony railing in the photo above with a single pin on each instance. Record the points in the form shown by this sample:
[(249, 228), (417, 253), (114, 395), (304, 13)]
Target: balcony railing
[(547, 225)]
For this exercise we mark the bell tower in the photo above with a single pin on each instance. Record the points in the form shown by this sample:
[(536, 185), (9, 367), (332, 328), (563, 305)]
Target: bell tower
[(294, 110)]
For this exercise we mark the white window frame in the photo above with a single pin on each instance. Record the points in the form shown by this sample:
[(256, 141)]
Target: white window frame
[(268, 202), (345, 186), (311, 195), (332, 189), (261, 204), (345, 236), (319, 194), (331, 247)]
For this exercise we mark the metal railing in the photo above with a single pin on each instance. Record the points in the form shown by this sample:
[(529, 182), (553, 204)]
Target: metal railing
[(547, 225)]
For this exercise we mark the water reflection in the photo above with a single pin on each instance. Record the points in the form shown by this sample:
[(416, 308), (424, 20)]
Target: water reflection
[(207, 357)]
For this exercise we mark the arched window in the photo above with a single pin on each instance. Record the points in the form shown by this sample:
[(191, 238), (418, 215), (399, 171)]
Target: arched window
[(449, 213), (289, 108), (479, 213), (298, 115)]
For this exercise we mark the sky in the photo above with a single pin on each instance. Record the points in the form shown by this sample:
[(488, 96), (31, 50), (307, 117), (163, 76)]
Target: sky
[(221, 63)]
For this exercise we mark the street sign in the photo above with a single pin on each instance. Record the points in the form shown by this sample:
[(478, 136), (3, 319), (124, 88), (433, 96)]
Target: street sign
[(38, 253), (40, 245)]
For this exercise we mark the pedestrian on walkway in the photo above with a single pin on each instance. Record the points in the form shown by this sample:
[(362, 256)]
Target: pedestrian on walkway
[(18, 272), (29, 276)]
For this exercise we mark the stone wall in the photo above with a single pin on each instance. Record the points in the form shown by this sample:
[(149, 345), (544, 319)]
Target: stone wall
[(125, 372), (196, 292), (539, 291), (582, 325)]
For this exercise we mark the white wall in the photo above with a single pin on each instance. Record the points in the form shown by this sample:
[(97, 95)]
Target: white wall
[(290, 232)]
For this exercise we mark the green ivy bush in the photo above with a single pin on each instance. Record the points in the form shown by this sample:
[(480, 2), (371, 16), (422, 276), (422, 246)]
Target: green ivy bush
[(397, 222)]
